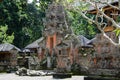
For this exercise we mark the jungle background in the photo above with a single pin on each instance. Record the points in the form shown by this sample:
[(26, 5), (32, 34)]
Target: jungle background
[(21, 22)]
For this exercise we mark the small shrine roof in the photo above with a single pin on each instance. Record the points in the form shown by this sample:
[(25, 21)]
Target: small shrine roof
[(35, 43), (8, 47), (91, 42), (84, 41)]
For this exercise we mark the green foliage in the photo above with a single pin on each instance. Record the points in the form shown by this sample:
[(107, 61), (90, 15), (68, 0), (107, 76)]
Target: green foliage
[(4, 37), (117, 31), (80, 25), (23, 19), (69, 1), (118, 19)]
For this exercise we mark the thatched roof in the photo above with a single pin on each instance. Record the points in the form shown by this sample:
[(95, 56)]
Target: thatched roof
[(8, 47), (91, 8), (84, 41), (35, 43), (92, 41)]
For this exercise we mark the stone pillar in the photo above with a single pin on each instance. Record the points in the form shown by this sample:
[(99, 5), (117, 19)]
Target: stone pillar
[(48, 62), (29, 67)]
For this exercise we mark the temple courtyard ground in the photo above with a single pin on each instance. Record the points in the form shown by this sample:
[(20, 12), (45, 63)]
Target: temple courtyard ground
[(13, 76)]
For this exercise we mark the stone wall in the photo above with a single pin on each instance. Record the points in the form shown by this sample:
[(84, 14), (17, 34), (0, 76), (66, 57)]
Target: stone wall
[(106, 58)]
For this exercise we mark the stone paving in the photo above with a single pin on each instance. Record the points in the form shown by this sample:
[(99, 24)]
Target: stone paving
[(12, 76)]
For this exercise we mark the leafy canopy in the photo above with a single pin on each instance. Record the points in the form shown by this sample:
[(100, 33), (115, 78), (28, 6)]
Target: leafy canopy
[(4, 37)]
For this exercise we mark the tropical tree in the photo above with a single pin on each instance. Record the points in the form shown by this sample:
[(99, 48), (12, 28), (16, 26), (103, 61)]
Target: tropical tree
[(4, 37), (82, 7), (23, 19), (80, 25)]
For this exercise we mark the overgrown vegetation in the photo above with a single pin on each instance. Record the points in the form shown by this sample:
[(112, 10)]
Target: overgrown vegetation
[(23, 19), (81, 26), (5, 37)]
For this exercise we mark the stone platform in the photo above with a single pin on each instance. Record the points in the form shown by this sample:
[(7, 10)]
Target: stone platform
[(62, 75), (100, 78), (104, 72)]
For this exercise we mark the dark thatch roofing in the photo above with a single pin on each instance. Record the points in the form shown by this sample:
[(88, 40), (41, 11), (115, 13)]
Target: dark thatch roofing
[(84, 41), (8, 47), (91, 8), (35, 43)]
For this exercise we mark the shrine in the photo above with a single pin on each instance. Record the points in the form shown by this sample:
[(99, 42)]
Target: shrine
[(8, 56)]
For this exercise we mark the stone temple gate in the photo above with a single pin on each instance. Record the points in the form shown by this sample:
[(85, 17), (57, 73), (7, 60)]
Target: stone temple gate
[(59, 40)]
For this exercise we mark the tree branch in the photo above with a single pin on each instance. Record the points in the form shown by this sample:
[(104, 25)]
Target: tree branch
[(110, 40), (100, 14), (83, 15), (110, 19), (99, 24)]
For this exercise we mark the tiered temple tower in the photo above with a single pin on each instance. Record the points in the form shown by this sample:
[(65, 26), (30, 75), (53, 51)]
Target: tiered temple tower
[(55, 26), (58, 39)]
